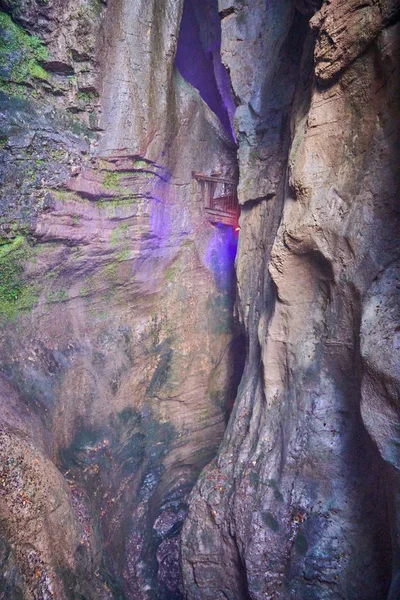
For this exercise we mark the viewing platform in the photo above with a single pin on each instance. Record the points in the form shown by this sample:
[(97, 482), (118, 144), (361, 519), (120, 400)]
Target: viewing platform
[(220, 200)]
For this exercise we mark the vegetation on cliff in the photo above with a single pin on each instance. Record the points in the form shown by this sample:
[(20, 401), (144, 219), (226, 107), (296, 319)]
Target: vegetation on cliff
[(20, 57)]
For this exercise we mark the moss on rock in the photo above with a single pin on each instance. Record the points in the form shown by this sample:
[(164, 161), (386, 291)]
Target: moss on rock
[(15, 293), (20, 56)]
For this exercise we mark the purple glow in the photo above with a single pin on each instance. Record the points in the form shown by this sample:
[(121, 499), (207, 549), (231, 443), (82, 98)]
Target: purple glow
[(198, 58), (220, 257), (217, 245)]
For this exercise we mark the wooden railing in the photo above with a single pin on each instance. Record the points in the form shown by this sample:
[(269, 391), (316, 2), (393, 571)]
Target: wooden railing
[(219, 196)]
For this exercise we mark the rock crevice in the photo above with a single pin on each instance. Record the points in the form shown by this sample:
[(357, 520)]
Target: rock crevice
[(299, 492)]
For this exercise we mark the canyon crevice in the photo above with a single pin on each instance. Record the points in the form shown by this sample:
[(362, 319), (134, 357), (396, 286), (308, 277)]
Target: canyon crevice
[(187, 411), (299, 502)]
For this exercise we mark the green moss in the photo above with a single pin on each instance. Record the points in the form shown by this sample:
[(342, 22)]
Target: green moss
[(51, 275), (15, 293), (65, 196), (140, 164), (110, 271), (86, 290), (39, 73), (110, 205), (57, 296), (57, 155), (3, 141), (118, 240), (18, 228), (97, 6), (118, 234), (123, 254), (170, 274), (112, 180), (144, 169), (91, 10), (87, 96), (20, 55)]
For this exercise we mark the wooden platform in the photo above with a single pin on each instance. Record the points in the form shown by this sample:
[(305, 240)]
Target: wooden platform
[(219, 197), (219, 216)]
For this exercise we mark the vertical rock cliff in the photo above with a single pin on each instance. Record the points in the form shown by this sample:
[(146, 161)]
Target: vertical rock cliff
[(302, 499), (116, 298)]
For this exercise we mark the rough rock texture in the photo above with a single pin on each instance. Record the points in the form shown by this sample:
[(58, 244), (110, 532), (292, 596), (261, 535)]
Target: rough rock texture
[(119, 360), (137, 71), (302, 499), (116, 330), (65, 74)]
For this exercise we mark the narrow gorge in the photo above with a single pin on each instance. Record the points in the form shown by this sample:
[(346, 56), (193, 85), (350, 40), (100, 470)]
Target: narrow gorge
[(197, 405)]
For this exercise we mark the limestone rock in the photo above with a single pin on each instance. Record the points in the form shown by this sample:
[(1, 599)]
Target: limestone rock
[(301, 499), (119, 351), (116, 316)]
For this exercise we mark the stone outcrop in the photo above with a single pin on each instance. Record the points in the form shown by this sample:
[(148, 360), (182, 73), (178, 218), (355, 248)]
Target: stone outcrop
[(301, 501)]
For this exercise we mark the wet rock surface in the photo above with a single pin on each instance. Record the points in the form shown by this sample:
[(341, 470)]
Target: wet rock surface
[(301, 499)]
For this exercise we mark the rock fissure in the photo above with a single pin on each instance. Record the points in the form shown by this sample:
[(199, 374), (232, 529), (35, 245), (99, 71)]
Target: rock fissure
[(313, 307), (185, 414)]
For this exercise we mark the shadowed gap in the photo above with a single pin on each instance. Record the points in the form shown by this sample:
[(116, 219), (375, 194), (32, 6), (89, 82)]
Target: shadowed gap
[(198, 58)]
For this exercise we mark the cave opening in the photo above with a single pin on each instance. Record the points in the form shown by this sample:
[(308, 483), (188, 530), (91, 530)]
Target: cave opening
[(198, 59)]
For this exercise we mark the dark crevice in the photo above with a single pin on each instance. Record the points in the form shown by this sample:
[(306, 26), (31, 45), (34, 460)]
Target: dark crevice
[(198, 58), (238, 353), (226, 12)]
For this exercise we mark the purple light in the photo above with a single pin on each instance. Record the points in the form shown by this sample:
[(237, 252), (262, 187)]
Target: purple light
[(220, 256)]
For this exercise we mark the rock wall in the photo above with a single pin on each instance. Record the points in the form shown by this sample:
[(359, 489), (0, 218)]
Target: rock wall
[(302, 499), (119, 356), (116, 331)]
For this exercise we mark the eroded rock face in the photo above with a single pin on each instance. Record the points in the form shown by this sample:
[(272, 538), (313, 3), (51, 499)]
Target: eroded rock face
[(116, 329), (117, 347), (301, 499)]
